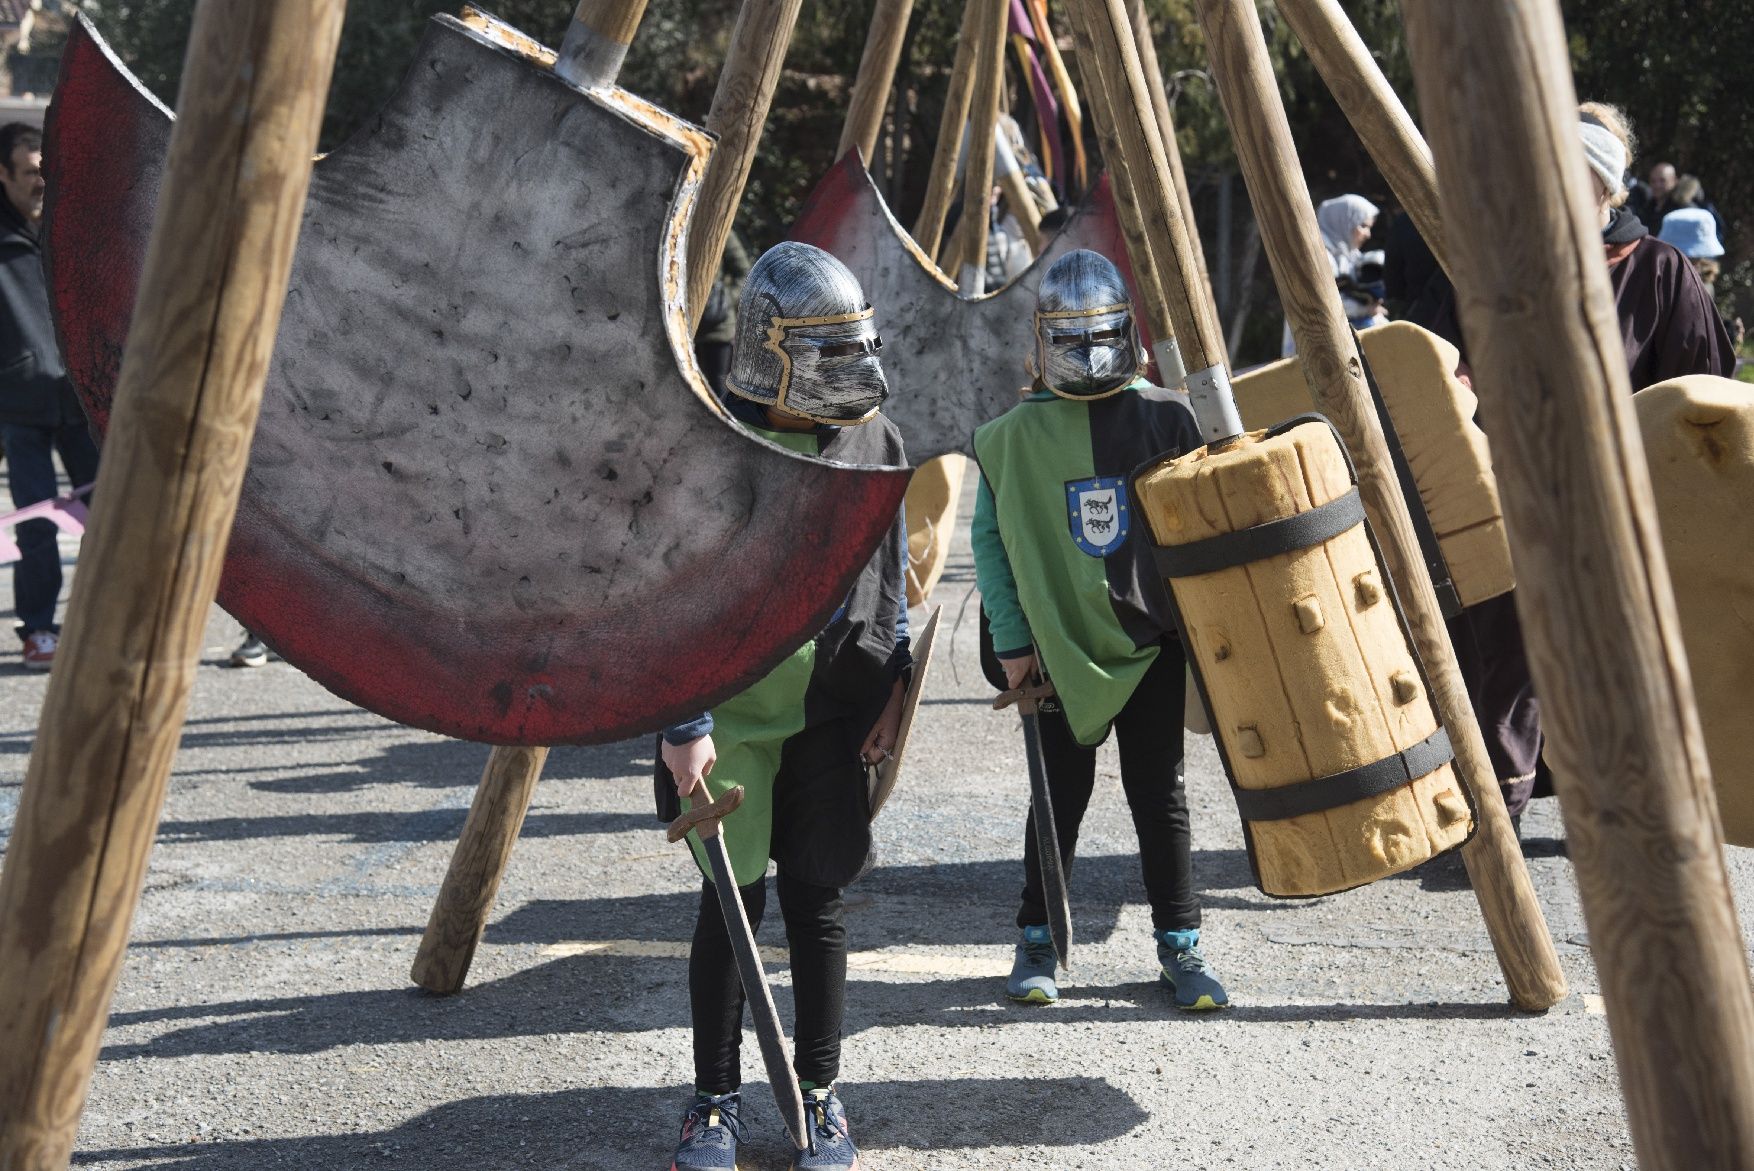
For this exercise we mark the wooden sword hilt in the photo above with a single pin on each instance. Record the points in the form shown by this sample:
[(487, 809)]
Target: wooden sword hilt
[(1026, 697), (704, 814)]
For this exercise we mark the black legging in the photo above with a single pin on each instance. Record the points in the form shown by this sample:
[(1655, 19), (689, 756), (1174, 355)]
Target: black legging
[(816, 932), (1149, 730)]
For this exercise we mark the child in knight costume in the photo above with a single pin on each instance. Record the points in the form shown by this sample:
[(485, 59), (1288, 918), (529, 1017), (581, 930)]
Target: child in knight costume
[(804, 374), (1071, 594)]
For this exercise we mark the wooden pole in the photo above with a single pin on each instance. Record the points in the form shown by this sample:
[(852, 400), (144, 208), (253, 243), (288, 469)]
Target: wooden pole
[(1073, 184), (876, 77), (1376, 113), (1172, 149), (460, 915), (1140, 153), (977, 179), (211, 292), (1593, 588), (596, 41), (1331, 365), (941, 180), (752, 68), (1148, 276)]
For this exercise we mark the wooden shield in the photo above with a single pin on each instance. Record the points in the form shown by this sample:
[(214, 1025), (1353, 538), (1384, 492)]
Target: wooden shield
[(883, 780)]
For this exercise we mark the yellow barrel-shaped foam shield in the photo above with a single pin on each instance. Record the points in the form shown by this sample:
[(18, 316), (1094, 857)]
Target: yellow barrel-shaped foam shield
[(1338, 763)]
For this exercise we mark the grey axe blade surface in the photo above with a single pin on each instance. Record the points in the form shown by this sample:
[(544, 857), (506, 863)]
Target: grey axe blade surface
[(768, 1030), (1047, 842)]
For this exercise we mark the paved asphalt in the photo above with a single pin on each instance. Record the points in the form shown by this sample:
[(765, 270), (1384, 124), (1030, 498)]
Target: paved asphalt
[(265, 1017)]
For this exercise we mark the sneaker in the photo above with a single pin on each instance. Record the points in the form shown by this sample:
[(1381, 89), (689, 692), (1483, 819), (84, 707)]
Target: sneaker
[(711, 1131), (1032, 969), (1185, 970), (39, 649), (830, 1145), (251, 652)]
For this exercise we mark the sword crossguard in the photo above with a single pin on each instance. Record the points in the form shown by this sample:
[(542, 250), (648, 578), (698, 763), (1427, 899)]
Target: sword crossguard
[(1025, 697), (704, 814)]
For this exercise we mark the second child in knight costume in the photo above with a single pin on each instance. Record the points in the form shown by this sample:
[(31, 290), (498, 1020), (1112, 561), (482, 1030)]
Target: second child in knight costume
[(804, 374), (1070, 591)]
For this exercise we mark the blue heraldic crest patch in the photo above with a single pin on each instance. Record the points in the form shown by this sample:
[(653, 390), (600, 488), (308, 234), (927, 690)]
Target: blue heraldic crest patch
[(1096, 509)]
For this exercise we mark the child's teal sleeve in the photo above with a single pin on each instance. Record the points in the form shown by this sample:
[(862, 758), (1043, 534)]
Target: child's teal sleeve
[(998, 585)]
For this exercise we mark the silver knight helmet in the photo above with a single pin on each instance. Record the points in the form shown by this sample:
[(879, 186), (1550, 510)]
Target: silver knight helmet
[(806, 341), (1086, 341)]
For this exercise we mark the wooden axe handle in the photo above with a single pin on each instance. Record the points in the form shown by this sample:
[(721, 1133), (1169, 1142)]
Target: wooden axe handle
[(704, 814)]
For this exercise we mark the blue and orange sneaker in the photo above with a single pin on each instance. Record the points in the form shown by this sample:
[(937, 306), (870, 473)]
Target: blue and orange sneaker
[(1185, 970), (830, 1145), (711, 1131)]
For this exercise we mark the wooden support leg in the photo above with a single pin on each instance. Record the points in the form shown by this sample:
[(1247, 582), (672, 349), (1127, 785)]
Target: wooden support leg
[(1268, 159), (876, 77), (1598, 614), (466, 898), (191, 386)]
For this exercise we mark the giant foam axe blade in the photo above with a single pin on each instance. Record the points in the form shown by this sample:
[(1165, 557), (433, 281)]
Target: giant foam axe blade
[(488, 494), (953, 362)]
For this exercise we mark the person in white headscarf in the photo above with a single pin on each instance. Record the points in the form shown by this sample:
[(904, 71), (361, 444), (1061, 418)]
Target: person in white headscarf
[(1345, 221)]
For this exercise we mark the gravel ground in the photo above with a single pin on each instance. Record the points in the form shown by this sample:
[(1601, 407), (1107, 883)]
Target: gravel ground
[(265, 1018)]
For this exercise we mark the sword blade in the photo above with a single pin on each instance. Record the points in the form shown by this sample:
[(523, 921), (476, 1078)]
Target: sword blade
[(755, 990), (1047, 843)]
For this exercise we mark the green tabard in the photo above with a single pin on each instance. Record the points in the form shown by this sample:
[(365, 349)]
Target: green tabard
[(1032, 457)]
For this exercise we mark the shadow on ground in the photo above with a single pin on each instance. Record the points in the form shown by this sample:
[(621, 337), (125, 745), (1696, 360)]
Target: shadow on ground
[(621, 1128)]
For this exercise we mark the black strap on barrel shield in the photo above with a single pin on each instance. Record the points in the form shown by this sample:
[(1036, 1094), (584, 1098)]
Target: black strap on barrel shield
[(1343, 788)]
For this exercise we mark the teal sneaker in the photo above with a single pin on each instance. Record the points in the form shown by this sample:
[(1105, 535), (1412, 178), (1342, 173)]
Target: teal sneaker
[(1032, 970), (830, 1142), (1185, 970), (711, 1131)]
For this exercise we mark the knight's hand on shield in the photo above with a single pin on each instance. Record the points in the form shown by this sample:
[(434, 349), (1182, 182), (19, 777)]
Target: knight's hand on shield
[(881, 740), (689, 763)]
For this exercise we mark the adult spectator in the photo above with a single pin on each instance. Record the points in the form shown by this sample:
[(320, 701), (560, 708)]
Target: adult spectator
[(1667, 320), (39, 414), (1656, 203), (1694, 232), (1690, 193), (1345, 222)]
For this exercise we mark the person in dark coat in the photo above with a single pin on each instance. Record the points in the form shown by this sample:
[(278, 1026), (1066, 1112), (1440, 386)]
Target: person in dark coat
[(39, 413)]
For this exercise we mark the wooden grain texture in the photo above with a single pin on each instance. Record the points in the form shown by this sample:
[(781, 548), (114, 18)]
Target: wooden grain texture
[(875, 78), (1268, 160), (969, 267), (485, 846), (191, 384), (1374, 109), (1301, 654), (1599, 620), (941, 179), (1115, 54), (1153, 70), (759, 41), (1147, 276), (613, 20)]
